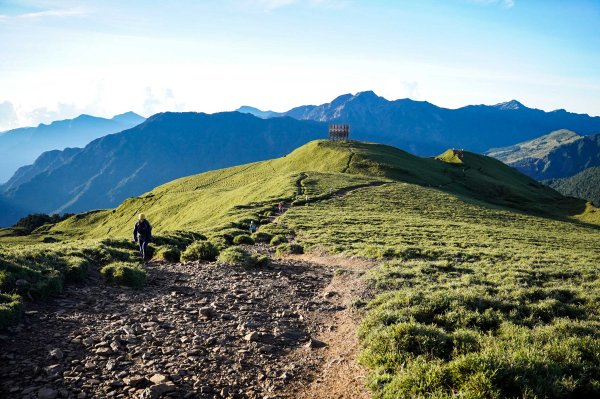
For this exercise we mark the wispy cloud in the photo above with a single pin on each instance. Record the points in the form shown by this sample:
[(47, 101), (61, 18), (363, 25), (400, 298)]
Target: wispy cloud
[(503, 3), (56, 13)]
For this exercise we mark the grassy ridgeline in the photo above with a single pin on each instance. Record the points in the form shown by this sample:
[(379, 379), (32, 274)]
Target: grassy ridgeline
[(474, 301), (230, 198)]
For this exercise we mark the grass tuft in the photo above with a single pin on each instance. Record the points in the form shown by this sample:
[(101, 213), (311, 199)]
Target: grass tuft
[(243, 239), (288, 249), (121, 273), (200, 250)]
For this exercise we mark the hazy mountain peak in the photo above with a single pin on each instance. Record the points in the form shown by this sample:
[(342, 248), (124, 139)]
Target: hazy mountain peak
[(510, 105), (246, 109), (130, 118)]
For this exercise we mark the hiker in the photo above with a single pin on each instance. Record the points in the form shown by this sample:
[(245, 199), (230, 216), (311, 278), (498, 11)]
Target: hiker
[(252, 227), (142, 234), (280, 207)]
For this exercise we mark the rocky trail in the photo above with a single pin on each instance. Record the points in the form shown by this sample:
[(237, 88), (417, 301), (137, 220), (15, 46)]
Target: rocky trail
[(198, 330)]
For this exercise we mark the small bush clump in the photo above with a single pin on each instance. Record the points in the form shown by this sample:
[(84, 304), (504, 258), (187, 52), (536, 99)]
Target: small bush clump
[(237, 256), (77, 269), (169, 253), (200, 250), (260, 236), (122, 273), (220, 242), (278, 239), (289, 249), (243, 239)]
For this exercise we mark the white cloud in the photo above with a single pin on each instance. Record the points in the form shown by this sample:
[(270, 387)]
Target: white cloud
[(160, 100), (8, 116)]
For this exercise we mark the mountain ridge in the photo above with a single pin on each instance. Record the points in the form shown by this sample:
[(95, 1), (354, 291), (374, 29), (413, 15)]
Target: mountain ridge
[(164, 147), (21, 146), (426, 129), (556, 155)]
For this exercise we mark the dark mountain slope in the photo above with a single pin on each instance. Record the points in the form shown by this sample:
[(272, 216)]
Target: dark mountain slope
[(585, 185), (165, 147), (10, 212), (46, 162), (22, 146)]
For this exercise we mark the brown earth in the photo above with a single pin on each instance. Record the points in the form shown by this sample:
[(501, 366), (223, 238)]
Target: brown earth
[(198, 330)]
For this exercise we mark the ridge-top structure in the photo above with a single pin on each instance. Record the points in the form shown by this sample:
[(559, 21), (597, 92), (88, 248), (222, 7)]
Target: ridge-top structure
[(339, 132)]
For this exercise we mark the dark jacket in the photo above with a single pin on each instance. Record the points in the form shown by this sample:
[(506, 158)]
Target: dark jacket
[(142, 231)]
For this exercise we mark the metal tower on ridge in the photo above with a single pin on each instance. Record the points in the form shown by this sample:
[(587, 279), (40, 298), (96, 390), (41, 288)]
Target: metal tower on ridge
[(339, 132)]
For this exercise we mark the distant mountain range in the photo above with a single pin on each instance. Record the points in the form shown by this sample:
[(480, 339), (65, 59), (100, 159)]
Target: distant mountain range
[(426, 129), (172, 145), (557, 155), (585, 184), (165, 147), (22, 146)]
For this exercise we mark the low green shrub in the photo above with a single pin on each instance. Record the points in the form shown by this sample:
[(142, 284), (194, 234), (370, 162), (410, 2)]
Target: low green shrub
[(77, 269), (288, 249), (122, 273), (50, 284), (243, 239), (169, 253), (200, 250), (260, 236), (220, 242), (178, 239), (237, 256), (11, 309), (278, 239)]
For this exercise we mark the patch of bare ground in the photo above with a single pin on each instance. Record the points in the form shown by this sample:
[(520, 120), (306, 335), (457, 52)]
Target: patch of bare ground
[(338, 375), (198, 330)]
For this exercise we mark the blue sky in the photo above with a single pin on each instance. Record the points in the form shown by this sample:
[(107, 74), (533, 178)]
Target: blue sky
[(59, 59)]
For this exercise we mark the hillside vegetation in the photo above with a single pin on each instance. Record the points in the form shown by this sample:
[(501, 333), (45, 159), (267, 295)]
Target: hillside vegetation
[(489, 286), (474, 301), (585, 185)]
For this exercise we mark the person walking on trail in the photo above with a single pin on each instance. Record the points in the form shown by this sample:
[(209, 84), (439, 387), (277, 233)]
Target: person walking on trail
[(142, 234), (252, 227), (280, 207)]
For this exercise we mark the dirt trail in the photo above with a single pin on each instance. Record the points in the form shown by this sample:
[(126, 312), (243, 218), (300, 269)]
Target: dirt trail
[(196, 331), (339, 375)]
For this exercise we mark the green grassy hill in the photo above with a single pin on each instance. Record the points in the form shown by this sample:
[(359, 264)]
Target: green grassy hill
[(222, 199), (489, 281)]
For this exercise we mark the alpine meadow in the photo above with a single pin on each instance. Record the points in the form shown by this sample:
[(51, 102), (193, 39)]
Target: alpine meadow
[(299, 199)]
